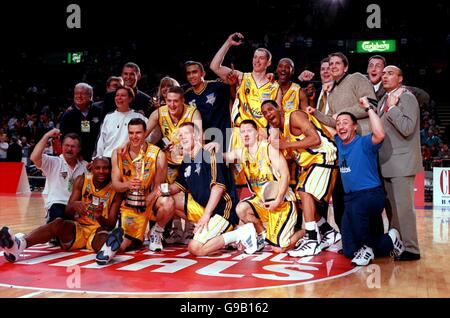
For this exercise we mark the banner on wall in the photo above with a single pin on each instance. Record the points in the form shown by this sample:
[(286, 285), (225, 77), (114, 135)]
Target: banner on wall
[(441, 187)]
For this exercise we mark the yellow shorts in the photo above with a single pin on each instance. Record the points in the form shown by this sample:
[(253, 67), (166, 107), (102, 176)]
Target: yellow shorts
[(280, 223), (84, 235), (134, 223), (317, 181), (216, 225)]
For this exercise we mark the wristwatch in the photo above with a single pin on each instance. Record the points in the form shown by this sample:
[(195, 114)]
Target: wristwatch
[(369, 107)]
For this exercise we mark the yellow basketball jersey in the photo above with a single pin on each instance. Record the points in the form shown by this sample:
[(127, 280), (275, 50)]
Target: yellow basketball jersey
[(249, 99), (128, 170), (171, 131), (258, 170), (291, 99), (91, 195), (325, 153)]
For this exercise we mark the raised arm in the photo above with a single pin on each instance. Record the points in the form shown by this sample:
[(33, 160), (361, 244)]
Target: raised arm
[(36, 155), (375, 121), (216, 64)]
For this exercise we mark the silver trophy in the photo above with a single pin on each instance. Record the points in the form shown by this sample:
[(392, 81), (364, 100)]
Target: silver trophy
[(136, 197)]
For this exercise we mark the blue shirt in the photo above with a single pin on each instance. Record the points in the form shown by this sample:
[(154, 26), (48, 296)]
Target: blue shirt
[(358, 163), (198, 177), (214, 106)]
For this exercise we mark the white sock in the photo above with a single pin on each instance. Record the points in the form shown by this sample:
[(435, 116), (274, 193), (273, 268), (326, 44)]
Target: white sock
[(231, 237), (321, 221), (310, 226)]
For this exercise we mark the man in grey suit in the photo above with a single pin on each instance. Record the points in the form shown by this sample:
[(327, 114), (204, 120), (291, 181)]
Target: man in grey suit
[(400, 157)]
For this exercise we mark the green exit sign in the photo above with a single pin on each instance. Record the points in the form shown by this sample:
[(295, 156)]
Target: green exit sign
[(74, 57), (375, 46)]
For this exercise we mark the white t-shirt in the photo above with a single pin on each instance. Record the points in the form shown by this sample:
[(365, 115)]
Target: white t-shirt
[(3, 151), (60, 178), (114, 131)]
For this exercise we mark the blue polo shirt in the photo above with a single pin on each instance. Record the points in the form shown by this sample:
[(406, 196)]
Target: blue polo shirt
[(358, 163)]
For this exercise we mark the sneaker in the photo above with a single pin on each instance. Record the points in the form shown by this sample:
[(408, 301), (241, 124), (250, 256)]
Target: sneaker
[(363, 257), (247, 237), (155, 240), (307, 247), (260, 241), (111, 246), (12, 245), (329, 238), (399, 248)]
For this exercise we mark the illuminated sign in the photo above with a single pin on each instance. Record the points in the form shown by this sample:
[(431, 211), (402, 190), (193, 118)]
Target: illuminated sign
[(375, 46)]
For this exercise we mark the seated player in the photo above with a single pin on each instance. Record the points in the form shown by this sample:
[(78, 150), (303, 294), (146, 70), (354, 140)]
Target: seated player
[(204, 194), (93, 206), (263, 164)]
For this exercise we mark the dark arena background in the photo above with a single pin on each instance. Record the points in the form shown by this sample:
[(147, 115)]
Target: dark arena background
[(41, 60)]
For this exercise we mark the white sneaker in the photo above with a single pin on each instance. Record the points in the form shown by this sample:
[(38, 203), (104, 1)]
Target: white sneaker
[(329, 238), (307, 247), (111, 246), (155, 239), (12, 245), (247, 237), (399, 248), (364, 256)]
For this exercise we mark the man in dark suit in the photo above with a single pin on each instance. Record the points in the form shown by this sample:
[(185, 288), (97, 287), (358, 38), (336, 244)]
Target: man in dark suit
[(131, 74), (400, 157)]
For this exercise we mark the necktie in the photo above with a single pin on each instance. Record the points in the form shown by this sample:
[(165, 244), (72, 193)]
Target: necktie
[(323, 102)]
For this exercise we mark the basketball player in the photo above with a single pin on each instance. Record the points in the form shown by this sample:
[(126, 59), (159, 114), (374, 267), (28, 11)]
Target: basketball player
[(94, 207), (139, 173), (292, 96), (304, 139), (263, 164), (204, 194), (253, 88)]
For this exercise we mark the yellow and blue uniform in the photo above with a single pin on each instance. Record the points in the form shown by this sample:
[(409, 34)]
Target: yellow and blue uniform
[(86, 226), (258, 171), (171, 131), (133, 221), (247, 105), (318, 165), (196, 178), (213, 103)]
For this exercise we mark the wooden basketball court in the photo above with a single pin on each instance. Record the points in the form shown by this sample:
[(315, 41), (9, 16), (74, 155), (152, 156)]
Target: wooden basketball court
[(427, 278)]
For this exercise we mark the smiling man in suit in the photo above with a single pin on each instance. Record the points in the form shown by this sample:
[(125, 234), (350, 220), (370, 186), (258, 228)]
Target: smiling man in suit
[(400, 156)]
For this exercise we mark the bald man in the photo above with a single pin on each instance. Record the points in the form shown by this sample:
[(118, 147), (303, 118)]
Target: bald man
[(400, 157)]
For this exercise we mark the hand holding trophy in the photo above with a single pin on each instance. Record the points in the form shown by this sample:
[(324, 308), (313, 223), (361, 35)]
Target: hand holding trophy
[(136, 194)]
